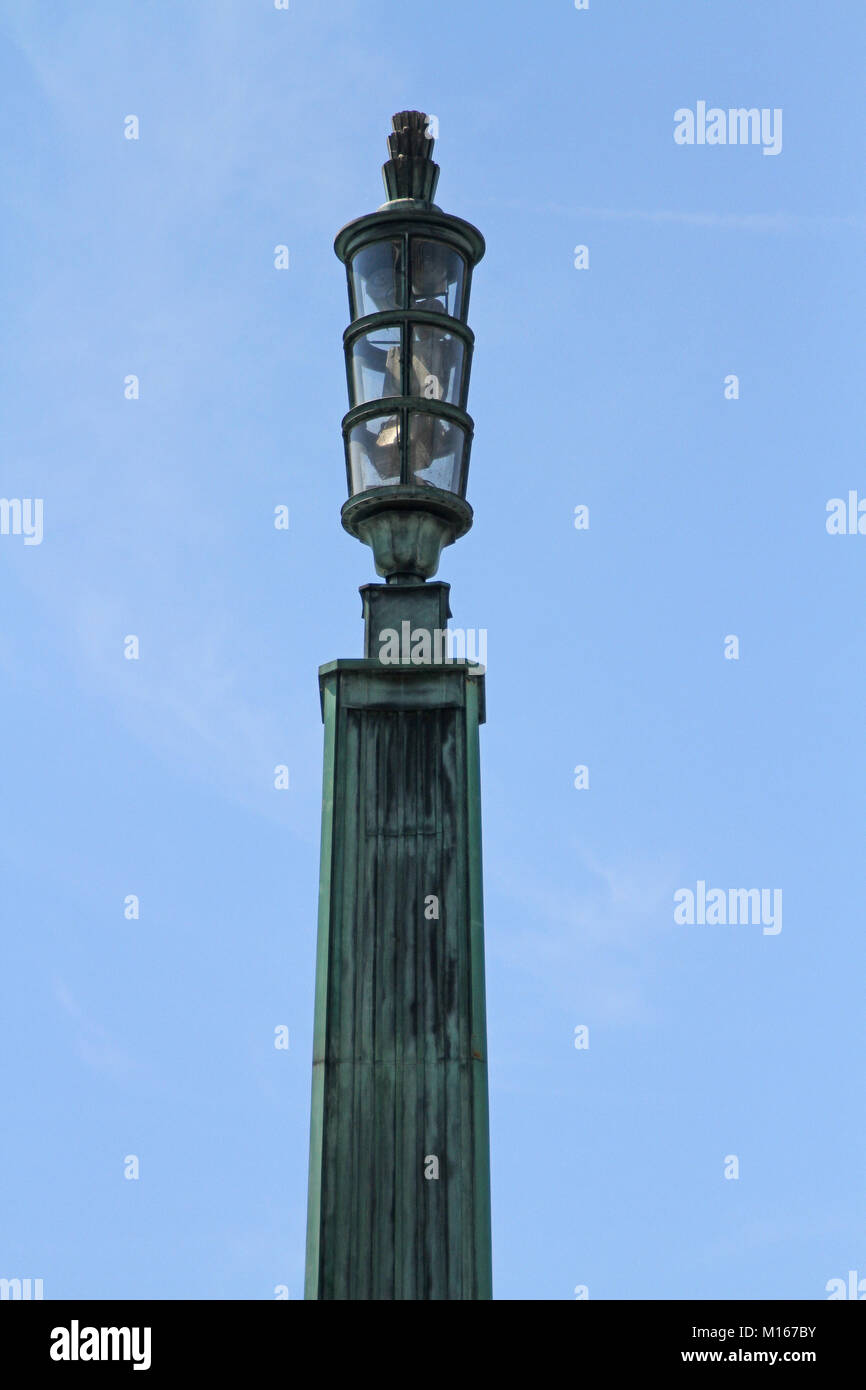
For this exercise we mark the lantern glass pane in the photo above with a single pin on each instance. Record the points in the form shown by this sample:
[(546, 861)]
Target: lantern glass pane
[(436, 449), (438, 274), (377, 278), (436, 364), (376, 365), (374, 452)]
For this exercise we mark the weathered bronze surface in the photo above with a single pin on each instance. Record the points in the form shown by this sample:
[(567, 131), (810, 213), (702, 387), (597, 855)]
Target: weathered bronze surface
[(400, 1057), (399, 1199), (415, 422)]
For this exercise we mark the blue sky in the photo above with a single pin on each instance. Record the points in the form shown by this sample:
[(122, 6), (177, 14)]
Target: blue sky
[(602, 387)]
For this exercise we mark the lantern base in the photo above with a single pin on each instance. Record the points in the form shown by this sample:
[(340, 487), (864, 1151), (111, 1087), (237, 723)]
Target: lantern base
[(407, 528)]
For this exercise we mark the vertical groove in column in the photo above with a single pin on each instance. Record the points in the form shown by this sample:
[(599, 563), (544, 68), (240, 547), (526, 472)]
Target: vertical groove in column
[(398, 1048)]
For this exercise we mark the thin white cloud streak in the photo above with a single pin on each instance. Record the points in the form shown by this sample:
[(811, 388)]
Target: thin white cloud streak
[(593, 940), (746, 221), (786, 222), (93, 1044)]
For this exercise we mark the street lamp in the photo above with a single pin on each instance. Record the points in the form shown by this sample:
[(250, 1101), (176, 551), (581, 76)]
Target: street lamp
[(399, 1193), (408, 356)]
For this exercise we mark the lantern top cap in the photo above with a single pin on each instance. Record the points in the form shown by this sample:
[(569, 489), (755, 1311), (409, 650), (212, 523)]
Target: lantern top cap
[(411, 171)]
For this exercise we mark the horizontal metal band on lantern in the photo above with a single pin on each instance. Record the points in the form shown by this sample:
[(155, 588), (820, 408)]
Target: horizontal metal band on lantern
[(440, 342), (426, 223), (405, 409), (392, 318)]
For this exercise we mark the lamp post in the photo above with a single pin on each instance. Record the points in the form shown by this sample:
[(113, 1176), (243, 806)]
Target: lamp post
[(399, 1204)]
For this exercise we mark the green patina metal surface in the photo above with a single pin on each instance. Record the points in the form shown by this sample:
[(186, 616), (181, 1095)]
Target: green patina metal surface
[(399, 1198), (400, 1057)]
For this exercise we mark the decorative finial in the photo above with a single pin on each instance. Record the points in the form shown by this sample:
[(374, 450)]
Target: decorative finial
[(411, 171)]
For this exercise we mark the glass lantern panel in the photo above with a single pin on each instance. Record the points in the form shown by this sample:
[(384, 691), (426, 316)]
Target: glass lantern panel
[(377, 278), (374, 452), (438, 276), (376, 365), (436, 366), (436, 448)]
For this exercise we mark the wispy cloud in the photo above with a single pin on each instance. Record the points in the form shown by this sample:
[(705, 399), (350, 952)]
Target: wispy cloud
[(739, 221), (768, 222), (591, 939), (93, 1043), (749, 1236)]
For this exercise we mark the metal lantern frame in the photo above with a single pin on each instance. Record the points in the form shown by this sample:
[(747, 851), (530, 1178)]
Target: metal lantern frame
[(399, 1075), (405, 221)]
